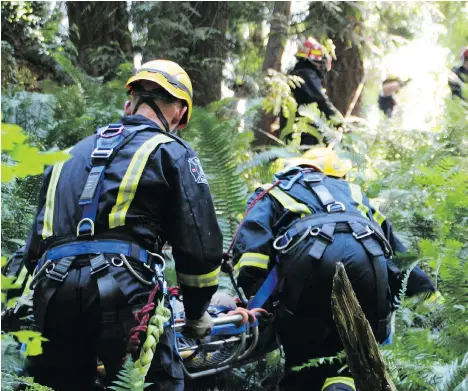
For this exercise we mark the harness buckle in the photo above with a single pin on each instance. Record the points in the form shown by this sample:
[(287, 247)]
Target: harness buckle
[(54, 275), (112, 131), (100, 153), (368, 232), (98, 264), (336, 207), (316, 231)]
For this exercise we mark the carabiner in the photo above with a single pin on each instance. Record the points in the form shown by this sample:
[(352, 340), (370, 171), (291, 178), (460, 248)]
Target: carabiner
[(279, 248)]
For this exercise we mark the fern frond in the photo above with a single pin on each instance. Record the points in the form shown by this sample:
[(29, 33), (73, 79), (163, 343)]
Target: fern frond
[(130, 378), (455, 375), (221, 149)]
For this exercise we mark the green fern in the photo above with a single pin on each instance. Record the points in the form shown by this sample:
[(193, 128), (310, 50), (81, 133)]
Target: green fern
[(130, 378), (221, 149), (455, 376)]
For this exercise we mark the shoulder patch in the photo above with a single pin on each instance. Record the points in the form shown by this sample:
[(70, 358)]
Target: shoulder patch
[(197, 171)]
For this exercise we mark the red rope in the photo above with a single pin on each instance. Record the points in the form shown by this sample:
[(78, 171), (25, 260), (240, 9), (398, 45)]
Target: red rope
[(174, 291), (142, 317), (253, 203)]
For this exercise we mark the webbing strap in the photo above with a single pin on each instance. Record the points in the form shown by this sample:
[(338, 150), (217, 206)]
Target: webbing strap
[(379, 265), (57, 275), (323, 239), (104, 246), (60, 269), (109, 141), (265, 290), (109, 295)]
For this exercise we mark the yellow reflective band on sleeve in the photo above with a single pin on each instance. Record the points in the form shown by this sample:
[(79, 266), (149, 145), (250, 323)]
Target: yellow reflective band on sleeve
[(258, 260), (356, 194), (436, 297), (47, 229), (199, 280), (287, 201), (22, 276), (348, 381), (128, 186), (378, 216)]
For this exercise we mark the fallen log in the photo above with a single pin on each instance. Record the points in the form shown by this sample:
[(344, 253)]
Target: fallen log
[(364, 359)]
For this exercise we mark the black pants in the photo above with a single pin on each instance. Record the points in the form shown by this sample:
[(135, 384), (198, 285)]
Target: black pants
[(386, 104), (72, 324), (309, 331)]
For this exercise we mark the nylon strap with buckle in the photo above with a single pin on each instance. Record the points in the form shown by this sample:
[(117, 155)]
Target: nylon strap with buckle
[(103, 246), (110, 295), (366, 237), (109, 141)]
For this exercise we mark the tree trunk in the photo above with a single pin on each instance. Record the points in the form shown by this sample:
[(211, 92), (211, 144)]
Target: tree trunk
[(99, 31), (206, 57), (364, 358), (344, 78), (279, 28), (23, 49)]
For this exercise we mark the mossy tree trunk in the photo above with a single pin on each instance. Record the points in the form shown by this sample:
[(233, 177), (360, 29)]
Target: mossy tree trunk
[(364, 358), (279, 29)]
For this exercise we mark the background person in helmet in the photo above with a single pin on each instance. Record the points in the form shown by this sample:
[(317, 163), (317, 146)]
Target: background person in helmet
[(152, 191), (459, 76), (280, 227), (390, 86), (313, 63)]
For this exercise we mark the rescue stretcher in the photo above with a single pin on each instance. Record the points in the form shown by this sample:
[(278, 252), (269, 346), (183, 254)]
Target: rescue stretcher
[(228, 345)]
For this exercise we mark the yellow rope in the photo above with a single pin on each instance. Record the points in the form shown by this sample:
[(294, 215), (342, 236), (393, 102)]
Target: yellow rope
[(153, 334)]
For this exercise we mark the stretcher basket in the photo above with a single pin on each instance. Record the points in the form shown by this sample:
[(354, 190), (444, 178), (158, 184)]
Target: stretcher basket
[(228, 345)]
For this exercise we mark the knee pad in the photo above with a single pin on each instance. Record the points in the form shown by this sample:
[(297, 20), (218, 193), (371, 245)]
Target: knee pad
[(339, 383)]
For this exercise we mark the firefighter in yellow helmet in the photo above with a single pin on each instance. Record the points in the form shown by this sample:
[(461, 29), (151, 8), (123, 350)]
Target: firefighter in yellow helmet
[(313, 64), (390, 86), (295, 234), (104, 216)]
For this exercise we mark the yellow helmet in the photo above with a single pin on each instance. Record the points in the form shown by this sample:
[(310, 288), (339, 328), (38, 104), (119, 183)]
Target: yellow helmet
[(170, 76), (324, 160)]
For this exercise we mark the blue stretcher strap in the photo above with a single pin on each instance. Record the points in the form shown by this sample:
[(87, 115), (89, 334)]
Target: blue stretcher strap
[(265, 290), (96, 247)]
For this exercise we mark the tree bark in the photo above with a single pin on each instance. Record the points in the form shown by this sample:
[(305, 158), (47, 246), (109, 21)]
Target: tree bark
[(364, 358), (279, 29), (344, 78), (206, 57), (95, 25)]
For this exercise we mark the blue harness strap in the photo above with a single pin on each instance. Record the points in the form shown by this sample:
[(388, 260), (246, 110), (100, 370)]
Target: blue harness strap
[(103, 246), (109, 141), (265, 290)]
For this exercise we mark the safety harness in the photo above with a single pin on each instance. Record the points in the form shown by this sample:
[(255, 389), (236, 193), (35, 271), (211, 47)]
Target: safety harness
[(57, 261), (323, 226)]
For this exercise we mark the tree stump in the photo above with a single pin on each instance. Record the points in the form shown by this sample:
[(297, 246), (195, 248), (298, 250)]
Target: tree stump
[(362, 351)]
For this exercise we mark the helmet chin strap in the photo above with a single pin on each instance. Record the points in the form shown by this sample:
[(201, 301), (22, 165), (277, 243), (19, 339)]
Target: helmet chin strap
[(148, 99)]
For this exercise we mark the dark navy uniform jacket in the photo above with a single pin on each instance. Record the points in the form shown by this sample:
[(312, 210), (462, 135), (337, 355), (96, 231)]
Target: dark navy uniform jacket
[(311, 91), (165, 198), (462, 74), (253, 252)]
